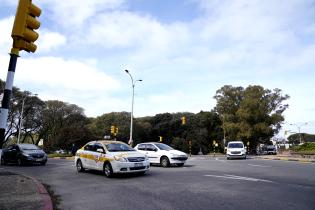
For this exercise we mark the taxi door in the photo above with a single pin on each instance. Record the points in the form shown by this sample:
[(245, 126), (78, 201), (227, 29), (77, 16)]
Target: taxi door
[(99, 156), (87, 156)]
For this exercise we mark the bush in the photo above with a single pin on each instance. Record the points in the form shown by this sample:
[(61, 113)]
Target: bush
[(305, 147)]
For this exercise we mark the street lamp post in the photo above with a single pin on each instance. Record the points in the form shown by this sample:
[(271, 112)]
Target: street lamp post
[(299, 130), (133, 83), (21, 116)]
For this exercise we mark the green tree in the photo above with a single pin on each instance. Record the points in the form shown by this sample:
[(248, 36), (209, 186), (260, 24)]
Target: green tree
[(253, 114), (228, 102), (57, 118), (100, 126)]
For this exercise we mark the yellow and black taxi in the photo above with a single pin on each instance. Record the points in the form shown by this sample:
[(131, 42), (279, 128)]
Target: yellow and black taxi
[(111, 157)]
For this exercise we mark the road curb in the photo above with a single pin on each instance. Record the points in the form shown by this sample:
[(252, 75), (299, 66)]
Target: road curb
[(43, 192), (45, 195), (62, 158)]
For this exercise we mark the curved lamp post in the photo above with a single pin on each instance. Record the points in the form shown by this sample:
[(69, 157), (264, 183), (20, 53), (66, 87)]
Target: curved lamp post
[(21, 116), (133, 83)]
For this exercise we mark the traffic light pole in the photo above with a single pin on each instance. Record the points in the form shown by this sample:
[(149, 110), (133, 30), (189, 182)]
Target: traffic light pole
[(4, 111), (23, 36)]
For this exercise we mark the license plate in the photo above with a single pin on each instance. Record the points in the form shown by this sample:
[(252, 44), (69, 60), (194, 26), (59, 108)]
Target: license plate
[(138, 164), (39, 159)]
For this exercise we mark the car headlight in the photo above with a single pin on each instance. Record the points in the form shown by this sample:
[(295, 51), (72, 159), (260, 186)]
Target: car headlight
[(174, 155), (120, 159), (26, 155)]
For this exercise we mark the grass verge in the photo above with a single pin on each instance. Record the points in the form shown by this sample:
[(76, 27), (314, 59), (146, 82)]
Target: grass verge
[(59, 155)]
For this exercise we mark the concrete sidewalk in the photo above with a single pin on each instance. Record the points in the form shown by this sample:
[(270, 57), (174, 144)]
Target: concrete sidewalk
[(22, 193)]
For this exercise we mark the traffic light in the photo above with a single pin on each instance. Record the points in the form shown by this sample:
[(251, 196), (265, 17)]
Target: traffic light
[(25, 23), (116, 131), (183, 120), (161, 138), (112, 129)]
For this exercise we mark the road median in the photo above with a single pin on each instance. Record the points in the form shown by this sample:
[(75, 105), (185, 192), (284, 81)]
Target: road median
[(286, 158)]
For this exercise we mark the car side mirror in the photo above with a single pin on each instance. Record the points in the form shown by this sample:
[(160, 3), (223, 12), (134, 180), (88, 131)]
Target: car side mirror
[(100, 150)]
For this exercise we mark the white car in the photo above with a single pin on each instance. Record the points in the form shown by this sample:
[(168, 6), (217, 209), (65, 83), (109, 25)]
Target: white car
[(162, 154), (111, 157), (235, 149)]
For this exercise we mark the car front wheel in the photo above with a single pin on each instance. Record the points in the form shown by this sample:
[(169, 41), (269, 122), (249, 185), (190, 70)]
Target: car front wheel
[(2, 161), (165, 162), (108, 171), (80, 167)]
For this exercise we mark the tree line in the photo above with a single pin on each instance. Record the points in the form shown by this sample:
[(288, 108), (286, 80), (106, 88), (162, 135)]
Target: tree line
[(253, 114)]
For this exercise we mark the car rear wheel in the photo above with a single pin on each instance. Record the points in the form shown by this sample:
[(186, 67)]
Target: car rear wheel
[(80, 167), (19, 162), (165, 162), (108, 171)]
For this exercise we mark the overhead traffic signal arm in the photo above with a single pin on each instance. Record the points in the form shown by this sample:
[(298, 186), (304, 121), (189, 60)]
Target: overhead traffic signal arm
[(25, 23)]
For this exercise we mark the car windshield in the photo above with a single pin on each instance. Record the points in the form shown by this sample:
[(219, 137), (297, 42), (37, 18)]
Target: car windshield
[(164, 147), (117, 147), (28, 147), (271, 148), (235, 145)]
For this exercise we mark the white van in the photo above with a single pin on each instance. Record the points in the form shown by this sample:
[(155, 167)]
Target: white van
[(235, 149)]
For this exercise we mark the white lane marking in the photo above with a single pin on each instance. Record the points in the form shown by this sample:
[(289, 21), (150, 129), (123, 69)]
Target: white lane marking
[(259, 166), (227, 176)]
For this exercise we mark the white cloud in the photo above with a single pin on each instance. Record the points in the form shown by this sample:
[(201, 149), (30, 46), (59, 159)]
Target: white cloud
[(129, 30), (73, 13), (50, 40), (58, 73), (78, 82), (6, 29), (124, 29)]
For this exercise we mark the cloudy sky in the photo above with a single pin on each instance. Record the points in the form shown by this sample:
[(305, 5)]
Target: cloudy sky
[(183, 50)]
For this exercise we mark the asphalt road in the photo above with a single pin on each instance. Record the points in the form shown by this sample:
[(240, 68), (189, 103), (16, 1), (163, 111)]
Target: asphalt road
[(203, 183)]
